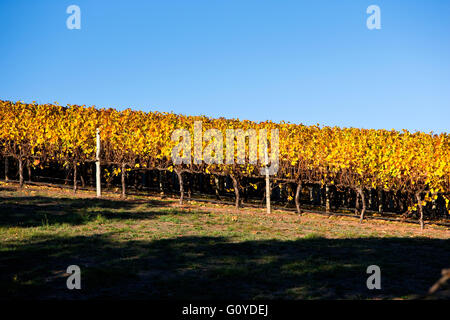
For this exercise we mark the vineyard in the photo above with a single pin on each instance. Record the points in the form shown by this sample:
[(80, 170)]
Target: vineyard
[(382, 170)]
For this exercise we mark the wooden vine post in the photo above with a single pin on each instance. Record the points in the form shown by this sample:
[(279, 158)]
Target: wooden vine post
[(266, 161), (97, 165)]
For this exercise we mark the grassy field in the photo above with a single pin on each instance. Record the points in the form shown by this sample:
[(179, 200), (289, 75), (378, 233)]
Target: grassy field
[(152, 248)]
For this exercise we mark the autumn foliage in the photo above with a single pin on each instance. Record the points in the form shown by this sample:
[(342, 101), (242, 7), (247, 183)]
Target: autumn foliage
[(360, 159)]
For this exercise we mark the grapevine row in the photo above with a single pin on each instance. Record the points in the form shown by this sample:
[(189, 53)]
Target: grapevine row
[(358, 159)]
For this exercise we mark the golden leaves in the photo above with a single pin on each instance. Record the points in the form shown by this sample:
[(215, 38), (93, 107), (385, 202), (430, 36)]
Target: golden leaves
[(342, 156)]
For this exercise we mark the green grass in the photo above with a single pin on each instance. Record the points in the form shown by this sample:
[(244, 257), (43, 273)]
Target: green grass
[(151, 249)]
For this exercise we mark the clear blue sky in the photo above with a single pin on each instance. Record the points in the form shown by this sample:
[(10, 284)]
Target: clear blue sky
[(299, 61)]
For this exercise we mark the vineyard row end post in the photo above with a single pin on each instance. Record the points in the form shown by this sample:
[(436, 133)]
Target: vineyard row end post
[(97, 165)]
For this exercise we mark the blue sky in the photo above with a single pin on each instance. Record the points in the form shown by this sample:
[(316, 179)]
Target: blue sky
[(299, 61)]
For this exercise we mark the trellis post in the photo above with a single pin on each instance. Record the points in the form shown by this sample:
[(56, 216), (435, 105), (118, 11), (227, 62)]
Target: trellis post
[(97, 165), (266, 160)]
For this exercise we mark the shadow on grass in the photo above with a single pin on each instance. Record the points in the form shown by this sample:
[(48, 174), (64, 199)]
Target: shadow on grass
[(217, 268), (33, 211)]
